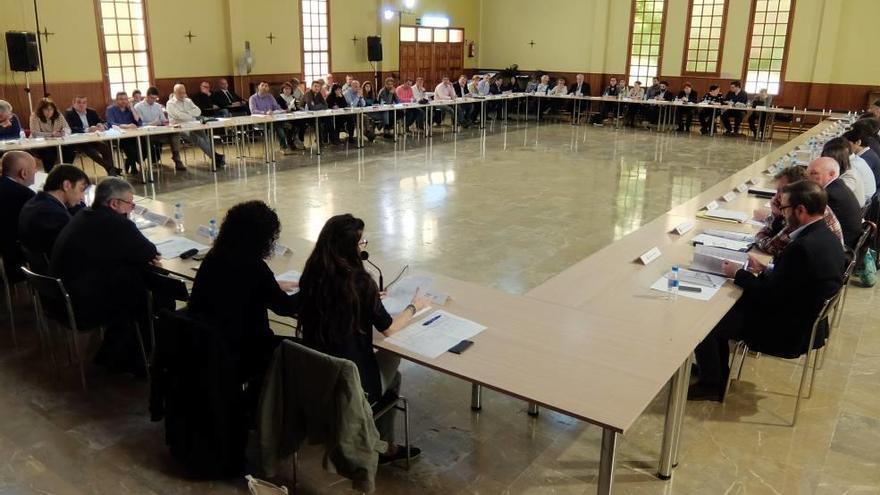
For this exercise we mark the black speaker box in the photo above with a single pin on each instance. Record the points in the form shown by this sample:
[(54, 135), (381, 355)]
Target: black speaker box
[(374, 48), (22, 50)]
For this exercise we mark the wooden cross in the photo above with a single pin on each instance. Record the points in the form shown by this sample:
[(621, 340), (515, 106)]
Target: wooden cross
[(532, 43), (45, 34), (271, 37), (189, 36), (354, 40)]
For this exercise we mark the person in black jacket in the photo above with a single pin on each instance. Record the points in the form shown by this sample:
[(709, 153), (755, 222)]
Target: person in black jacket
[(82, 119), (18, 172), (339, 304), (45, 215), (606, 107), (468, 110), (777, 308), (707, 115), (226, 98), (102, 257), (204, 100), (662, 93), (737, 98), (688, 96), (856, 139), (825, 171), (234, 287)]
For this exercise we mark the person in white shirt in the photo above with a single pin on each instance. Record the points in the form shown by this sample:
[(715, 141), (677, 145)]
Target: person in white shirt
[(544, 86), (153, 114), (838, 149), (181, 110), (446, 92), (420, 95), (483, 87)]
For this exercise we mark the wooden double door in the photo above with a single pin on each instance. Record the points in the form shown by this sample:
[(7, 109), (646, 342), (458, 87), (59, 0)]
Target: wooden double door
[(431, 60)]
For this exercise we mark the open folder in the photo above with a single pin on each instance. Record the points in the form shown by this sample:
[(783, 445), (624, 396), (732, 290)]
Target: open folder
[(709, 258), (725, 215)]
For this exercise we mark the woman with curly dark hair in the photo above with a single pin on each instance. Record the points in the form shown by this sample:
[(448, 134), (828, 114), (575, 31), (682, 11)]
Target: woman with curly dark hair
[(339, 307), (234, 286)]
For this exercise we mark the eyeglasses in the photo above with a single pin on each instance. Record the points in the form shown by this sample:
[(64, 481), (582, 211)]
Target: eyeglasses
[(129, 203), (784, 207), (363, 243)]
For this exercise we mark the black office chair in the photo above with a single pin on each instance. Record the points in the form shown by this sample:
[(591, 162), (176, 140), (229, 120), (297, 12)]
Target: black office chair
[(742, 350), (163, 289), (54, 304)]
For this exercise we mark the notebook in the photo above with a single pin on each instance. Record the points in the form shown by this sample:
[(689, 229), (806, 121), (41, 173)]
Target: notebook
[(709, 258)]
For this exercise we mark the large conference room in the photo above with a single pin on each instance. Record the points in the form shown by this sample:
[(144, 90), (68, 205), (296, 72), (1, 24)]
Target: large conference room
[(439, 247)]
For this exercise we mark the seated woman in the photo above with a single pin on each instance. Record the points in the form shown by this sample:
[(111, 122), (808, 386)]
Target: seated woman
[(339, 306), (47, 122), (234, 287), (346, 123)]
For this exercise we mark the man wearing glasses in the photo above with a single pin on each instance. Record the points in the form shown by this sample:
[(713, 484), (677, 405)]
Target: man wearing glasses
[(780, 300), (102, 257), (205, 101)]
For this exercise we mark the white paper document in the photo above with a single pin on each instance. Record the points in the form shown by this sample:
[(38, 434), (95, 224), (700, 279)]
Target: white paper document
[(289, 276), (711, 240), (142, 223), (699, 293), (174, 246), (400, 293), (435, 334), (731, 234), (722, 214), (708, 259)]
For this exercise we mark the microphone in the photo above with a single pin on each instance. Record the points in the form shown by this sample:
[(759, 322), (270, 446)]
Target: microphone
[(366, 257)]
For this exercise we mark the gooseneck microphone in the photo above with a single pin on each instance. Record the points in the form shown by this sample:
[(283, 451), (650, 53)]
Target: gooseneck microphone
[(366, 257)]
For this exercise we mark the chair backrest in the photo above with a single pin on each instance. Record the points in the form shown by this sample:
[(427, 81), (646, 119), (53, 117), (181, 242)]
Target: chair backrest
[(868, 228), (54, 299), (37, 262)]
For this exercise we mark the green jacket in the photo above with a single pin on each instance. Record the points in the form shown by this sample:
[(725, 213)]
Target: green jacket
[(308, 395)]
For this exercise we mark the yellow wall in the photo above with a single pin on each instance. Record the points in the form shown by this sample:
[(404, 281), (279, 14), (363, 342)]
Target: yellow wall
[(827, 43), (71, 54)]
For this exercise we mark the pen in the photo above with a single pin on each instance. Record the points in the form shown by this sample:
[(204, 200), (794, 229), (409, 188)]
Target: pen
[(431, 320)]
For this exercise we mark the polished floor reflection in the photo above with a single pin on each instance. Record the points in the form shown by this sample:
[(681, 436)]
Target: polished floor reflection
[(508, 210)]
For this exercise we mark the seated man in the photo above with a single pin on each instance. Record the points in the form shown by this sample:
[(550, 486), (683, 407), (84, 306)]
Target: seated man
[(83, 119), (779, 303), (18, 170), (686, 113), (387, 96), (314, 101), (152, 113), (445, 91), (737, 98), (102, 257), (578, 88), (462, 90), (264, 103), (757, 118), (855, 180), (776, 234), (662, 93), (707, 115), (606, 107), (205, 101), (856, 139), (42, 218), (121, 115), (825, 171), (405, 94), (181, 110), (226, 99)]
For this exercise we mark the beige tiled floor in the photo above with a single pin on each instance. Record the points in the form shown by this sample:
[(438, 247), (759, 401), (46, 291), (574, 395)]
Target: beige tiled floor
[(508, 211)]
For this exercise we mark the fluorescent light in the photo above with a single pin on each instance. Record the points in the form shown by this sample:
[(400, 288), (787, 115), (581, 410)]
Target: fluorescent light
[(409, 3), (435, 21), (388, 14)]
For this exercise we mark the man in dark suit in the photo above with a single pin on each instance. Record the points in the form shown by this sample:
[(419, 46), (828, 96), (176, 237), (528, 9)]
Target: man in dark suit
[(825, 171), (778, 306), (205, 101), (858, 146), (737, 98), (579, 88), (227, 99), (82, 119), (45, 215), (18, 171), (102, 258), (467, 109)]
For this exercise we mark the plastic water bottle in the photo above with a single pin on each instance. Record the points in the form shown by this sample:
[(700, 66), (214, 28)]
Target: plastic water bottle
[(672, 283), (212, 230), (178, 218)]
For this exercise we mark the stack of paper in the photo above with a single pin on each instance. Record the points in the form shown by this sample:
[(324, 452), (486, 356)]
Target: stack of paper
[(289, 276), (435, 334), (174, 246), (731, 234), (708, 259)]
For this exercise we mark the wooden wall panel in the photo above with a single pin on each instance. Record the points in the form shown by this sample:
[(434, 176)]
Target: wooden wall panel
[(61, 93)]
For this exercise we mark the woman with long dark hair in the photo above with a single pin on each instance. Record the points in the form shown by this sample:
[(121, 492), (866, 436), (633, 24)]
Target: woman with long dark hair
[(47, 122), (234, 286), (340, 304)]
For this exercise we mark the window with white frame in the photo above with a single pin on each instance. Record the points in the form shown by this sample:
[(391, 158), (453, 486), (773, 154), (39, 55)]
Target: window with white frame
[(126, 52), (316, 39)]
